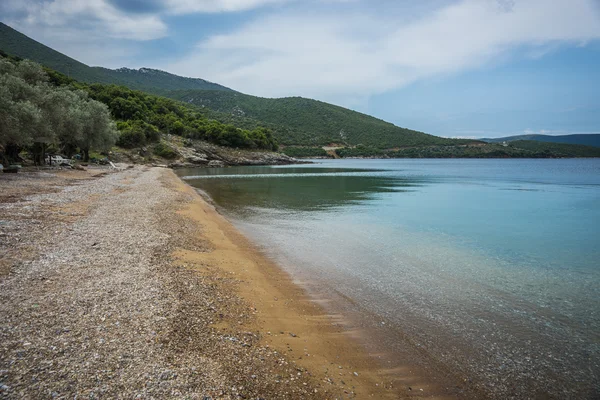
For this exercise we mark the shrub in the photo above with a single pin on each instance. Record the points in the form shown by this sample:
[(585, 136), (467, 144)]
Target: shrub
[(131, 138), (163, 150)]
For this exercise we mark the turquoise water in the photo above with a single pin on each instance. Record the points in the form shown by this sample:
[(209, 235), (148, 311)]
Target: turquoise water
[(490, 267)]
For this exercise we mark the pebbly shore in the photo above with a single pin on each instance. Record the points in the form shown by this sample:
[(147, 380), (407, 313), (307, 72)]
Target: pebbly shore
[(126, 284)]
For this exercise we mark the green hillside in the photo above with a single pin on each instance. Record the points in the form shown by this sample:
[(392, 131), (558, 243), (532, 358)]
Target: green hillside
[(310, 122), (151, 80), (581, 139)]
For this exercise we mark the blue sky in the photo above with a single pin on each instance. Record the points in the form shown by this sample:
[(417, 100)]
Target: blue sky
[(455, 68)]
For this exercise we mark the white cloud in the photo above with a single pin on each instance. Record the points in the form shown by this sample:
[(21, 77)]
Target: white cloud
[(334, 54), (91, 31), (88, 16), (211, 6)]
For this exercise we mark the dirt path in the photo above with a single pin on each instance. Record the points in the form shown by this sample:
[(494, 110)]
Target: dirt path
[(112, 293)]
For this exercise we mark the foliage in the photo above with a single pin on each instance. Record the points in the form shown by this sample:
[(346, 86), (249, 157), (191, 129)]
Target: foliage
[(514, 150), (518, 149), (136, 134), (36, 114), (139, 112), (557, 149), (162, 149), (131, 138), (299, 121), (587, 139), (306, 152)]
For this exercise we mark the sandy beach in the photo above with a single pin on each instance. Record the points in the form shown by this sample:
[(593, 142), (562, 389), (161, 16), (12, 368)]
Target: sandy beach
[(129, 284)]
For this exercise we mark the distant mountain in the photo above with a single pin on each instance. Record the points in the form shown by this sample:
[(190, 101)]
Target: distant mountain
[(592, 139), (145, 79)]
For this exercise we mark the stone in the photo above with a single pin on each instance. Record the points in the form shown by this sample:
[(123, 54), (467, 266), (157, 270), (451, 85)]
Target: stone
[(216, 164), (197, 160)]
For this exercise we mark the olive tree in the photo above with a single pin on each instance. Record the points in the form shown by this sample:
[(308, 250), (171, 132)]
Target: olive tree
[(98, 130), (33, 113), (21, 119)]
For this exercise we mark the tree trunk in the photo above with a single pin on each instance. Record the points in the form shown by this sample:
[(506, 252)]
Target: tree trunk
[(86, 155), (69, 150), (12, 153)]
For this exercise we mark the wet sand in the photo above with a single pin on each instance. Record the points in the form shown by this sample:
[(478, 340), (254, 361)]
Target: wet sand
[(297, 323)]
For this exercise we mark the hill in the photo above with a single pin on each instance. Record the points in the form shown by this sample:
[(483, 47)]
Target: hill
[(151, 80), (592, 139), (294, 120), (310, 122)]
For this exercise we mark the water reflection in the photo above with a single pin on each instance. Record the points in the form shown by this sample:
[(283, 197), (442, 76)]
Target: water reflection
[(242, 189)]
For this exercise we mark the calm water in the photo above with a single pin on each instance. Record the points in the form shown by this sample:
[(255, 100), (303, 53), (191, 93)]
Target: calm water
[(489, 267)]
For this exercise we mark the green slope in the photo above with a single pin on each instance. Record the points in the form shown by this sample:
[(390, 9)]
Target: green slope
[(592, 139), (146, 79), (310, 122)]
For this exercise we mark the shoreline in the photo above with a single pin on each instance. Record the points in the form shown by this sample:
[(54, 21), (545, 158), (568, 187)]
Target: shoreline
[(128, 283), (333, 336), (285, 315)]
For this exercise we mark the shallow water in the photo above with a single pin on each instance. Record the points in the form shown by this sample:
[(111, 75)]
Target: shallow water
[(490, 267)]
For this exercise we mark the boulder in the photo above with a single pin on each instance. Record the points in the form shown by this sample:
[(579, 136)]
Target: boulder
[(197, 160), (179, 164), (216, 164)]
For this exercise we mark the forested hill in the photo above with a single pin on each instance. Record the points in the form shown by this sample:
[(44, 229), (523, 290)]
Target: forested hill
[(310, 122), (151, 80), (293, 120), (592, 139)]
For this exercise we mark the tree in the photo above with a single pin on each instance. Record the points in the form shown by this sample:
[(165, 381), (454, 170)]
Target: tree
[(20, 117), (98, 130)]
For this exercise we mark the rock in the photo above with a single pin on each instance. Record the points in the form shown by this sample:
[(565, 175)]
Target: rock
[(197, 160), (179, 164), (216, 164)]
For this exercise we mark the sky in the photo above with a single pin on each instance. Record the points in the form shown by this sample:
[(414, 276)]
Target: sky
[(453, 68)]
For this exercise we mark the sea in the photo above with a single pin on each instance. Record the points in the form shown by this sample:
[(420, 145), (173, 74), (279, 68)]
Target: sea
[(488, 269)]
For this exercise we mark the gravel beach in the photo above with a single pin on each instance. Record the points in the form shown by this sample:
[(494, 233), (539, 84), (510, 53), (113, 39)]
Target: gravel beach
[(109, 290)]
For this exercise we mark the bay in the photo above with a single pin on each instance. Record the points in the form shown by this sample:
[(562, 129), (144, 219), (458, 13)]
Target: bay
[(491, 268)]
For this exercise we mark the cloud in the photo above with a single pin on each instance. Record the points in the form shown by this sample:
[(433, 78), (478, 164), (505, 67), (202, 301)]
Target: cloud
[(333, 54), (213, 6), (92, 31), (85, 16)]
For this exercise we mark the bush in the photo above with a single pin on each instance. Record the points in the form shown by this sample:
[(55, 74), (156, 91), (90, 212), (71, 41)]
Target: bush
[(131, 138), (163, 150)]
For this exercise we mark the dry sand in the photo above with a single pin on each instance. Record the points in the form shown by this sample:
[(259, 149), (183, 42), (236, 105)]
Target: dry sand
[(129, 285)]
